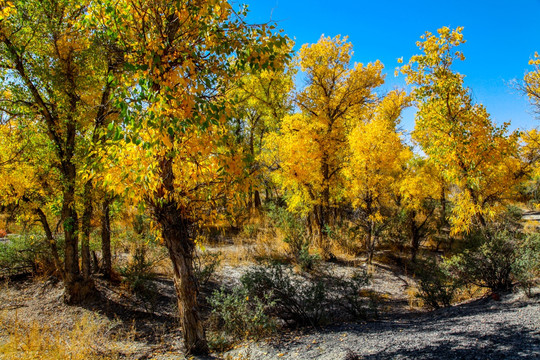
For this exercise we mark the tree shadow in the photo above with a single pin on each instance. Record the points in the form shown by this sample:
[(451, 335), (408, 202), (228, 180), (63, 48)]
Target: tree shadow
[(510, 342), (149, 322), (449, 333)]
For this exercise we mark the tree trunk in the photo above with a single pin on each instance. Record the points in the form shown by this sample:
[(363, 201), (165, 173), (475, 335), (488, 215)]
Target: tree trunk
[(106, 266), (369, 243), (250, 199), (175, 228), (72, 282), (181, 248), (86, 229), (320, 225), (76, 289), (95, 263), (309, 224), (51, 242), (415, 237), (257, 199)]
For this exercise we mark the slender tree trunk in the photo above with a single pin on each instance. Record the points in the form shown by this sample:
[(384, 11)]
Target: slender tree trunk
[(415, 237), (372, 250), (181, 248), (95, 262), (250, 199), (257, 199), (325, 213), (369, 242), (51, 242), (479, 217), (444, 222), (309, 224), (106, 266), (73, 278), (86, 229), (76, 288), (175, 228), (320, 225)]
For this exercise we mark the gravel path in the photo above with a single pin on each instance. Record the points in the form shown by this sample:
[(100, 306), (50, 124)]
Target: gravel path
[(484, 329)]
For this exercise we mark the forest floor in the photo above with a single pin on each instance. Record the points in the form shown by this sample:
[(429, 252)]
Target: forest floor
[(118, 324)]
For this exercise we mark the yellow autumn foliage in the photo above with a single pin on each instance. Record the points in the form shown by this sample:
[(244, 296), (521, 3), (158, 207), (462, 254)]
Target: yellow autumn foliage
[(472, 154), (312, 146)]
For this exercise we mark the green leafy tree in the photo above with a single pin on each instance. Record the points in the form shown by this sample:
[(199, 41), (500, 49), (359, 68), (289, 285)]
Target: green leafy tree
[(178, 158), (55, 78)]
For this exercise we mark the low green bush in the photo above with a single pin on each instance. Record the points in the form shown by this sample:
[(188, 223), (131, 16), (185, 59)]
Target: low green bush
[(307, 261), (241, 316), (296, 300), (436, 285), (309, 298), (349, 296), (526, 268), (205, 265), (271, 295), (488, 261), (25, 253), (296, 236)]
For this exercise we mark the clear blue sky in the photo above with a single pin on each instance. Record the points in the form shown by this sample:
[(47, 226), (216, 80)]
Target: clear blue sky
[(501, 38)]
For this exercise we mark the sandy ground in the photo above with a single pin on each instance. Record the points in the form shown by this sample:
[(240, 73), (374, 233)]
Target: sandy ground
[(143, 329)]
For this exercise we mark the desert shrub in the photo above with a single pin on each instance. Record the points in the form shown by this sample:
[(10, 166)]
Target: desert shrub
[(249, 230), (307, 299), (307, 261), (296, 300), (138, 269), (436, 285), (295, 236), (146, 255), (139, 274), (239, 315), (396, 234), (350, 297), (488, 261), (28, 252), (526, 268), (205, 265)]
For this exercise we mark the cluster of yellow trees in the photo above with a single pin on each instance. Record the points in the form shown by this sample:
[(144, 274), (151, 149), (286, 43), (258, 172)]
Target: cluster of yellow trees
[(184, 109), (342, 148)]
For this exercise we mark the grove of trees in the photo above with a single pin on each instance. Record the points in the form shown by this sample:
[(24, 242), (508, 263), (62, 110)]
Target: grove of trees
[(182, 111)]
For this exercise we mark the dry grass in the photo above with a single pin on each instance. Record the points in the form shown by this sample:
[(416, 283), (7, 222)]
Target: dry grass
[(87, 339), (258, 241), (470, 292), (461, 295), (415, 302), (269, 245)]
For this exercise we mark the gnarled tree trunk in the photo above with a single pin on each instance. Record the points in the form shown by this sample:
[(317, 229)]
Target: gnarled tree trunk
[(175, 229)]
